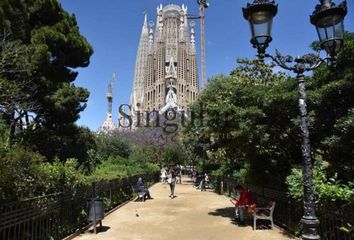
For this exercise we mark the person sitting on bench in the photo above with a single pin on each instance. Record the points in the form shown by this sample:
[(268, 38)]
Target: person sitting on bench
[(141, 188), (242, 204)]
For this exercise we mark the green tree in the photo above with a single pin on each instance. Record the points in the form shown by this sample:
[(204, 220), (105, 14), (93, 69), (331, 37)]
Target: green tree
[(240, 117), (330, 93), (333, 107), (71, 142), (253, 118), (112, 145), (172, 155), (53, 47)]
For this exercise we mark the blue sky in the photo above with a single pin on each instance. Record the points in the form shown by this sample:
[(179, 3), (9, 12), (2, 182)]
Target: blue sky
[(113, 28)]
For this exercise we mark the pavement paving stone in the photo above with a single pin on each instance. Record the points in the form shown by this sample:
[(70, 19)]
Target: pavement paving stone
[(192, 215)]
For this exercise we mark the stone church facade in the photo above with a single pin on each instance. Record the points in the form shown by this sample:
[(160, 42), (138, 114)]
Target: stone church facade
[(166, 74)]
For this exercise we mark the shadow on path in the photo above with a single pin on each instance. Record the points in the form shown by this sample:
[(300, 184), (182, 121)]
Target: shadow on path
[(228, 212), (188, 181), (100, 229), (193, 215)]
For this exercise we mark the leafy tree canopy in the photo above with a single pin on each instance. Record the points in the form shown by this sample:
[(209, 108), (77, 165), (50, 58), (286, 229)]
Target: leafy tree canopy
[(40, 47), (251, 122)]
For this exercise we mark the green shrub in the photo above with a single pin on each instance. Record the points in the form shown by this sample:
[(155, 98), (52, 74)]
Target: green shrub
[(241, 175), (116, 167), (19, 170), (108, 145), (25, 174), (4, 134), (327, 190), (58, 176)]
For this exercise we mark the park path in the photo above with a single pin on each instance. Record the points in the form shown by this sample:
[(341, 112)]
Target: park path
[(192, 215)]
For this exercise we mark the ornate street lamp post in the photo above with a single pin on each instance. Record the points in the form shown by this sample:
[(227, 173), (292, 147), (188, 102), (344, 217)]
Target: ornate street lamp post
[(328, 19)]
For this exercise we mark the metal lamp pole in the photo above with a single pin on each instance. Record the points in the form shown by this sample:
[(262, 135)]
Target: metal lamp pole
[(302, 64), (328, 19)]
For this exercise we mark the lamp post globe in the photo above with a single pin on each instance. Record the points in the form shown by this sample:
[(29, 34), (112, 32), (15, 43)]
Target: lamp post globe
[(260, 16), (328, 19)]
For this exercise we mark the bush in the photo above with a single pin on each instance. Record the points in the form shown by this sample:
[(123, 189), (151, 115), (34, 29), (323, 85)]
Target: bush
[(327, 190), (116, 167), (58, 177), (242, 174), (4, 134), (19, 170), (25, 174), (108, 145)]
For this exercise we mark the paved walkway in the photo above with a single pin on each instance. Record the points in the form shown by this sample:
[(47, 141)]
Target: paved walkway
[(192, 215)]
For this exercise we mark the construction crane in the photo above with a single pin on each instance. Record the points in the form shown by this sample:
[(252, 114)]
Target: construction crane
[(110, 94), (202, 6)]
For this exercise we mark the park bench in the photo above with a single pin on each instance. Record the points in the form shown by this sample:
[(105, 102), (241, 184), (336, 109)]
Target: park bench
[(242, 213), (264, 213), (201, 184), (137, 195)]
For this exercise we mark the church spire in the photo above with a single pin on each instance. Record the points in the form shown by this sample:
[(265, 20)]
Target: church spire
[(166, 73), (137, 95), (145, 18), (159, 23), (151, 37), (193, 51), (182, 29)]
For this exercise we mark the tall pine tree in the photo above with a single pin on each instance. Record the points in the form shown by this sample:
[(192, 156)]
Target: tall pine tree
[(40, 47)]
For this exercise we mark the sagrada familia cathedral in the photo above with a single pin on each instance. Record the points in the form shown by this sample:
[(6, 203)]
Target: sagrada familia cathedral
[(166, 65), (166, 74)]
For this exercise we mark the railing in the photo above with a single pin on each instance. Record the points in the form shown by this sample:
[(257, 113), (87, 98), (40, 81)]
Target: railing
[(288, 213), (58, 215)]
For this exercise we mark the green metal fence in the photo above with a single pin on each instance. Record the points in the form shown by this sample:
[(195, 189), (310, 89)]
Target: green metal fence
[(287, 213), (58, 215)]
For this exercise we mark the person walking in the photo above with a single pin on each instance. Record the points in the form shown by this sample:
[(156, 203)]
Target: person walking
[(163, 174), (178, 174), (172, 181), (204, 182)]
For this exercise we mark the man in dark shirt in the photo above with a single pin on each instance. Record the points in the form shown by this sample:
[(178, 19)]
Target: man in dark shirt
[(141, 188), (172, 181)]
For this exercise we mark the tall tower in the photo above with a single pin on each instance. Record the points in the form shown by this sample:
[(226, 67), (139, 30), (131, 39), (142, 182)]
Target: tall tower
[(108, 125), (166, 73)]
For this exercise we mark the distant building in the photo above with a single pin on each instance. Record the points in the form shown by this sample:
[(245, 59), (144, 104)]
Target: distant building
[(166, 74)]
